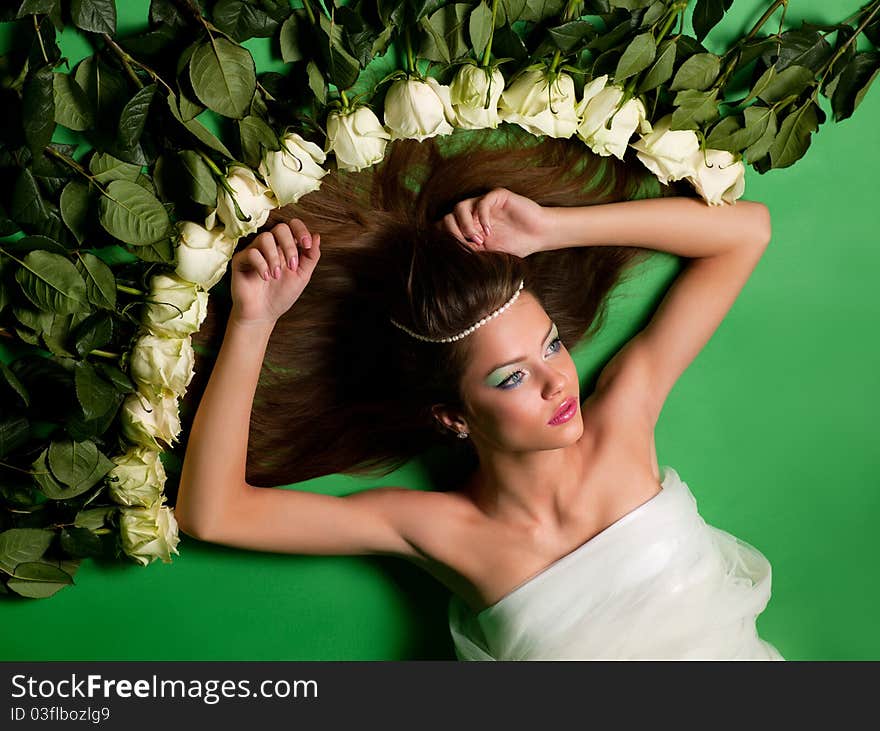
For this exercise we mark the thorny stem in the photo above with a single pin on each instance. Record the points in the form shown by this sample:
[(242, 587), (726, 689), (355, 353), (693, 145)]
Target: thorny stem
[(847, 44), (763, 19), (487, 54), (128, 59), (124, 58), (40, 38), (76, 166)]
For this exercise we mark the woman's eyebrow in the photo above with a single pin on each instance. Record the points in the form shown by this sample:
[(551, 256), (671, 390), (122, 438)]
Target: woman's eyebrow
[(522, 357)]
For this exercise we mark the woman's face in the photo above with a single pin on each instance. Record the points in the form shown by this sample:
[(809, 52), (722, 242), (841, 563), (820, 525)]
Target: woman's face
[(518, 376)]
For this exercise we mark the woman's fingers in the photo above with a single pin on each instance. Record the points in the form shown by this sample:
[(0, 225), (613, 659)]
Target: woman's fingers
[(300, 232), (284, 239), (483, 211), (310, 257), (254, 259), (267, 245), (464, 216), (452, 226)]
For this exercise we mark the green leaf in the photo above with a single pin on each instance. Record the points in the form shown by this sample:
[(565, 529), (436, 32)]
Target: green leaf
[(74, 205), (639, 54), (853, 83), (568, 36), (93, 392), (106, 168), (223, 77), (698, 72), (197, 129), (707, 14), (52, 283), (93, 518), (22, 545), (78, 465), (789, 82), (630, 4), (793, 138), (480, 27), (693, 108), (46, 581), (316, 82), (132, 214), (255, 134), (200, 183), (81, 542), (99, 279), (445, 27), (733, 138), (289, 40), (91, 334), (661, 69), (242, 20), (12, 381), (14, 431), (342, 67), (38, 110), (72, 106), (759, 149), (134, 117), (97, 16)]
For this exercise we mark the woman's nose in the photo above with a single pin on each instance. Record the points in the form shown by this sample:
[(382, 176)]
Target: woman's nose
[(556, 380)]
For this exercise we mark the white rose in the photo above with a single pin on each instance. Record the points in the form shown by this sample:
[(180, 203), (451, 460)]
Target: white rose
[(146, 421), (149, 533), (719, 178), (294, 170), (670, 155), (416, 109), (540, 107), (469, 91), (599, 107), (358, 139), (138, 478), (160, 363), (176, 308), (254, 199), (201, 256)]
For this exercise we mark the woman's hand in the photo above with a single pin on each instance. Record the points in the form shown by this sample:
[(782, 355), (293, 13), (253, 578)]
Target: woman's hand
[(500, 220), (271, 272)]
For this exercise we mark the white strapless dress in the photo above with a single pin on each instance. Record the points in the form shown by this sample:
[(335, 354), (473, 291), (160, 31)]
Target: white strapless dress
[(657, 584)]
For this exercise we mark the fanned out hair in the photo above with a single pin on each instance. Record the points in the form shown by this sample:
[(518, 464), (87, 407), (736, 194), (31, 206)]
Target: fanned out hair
[(342, 390)]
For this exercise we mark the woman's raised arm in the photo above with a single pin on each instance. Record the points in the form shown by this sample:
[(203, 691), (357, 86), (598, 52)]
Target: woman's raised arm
[(214, 502)]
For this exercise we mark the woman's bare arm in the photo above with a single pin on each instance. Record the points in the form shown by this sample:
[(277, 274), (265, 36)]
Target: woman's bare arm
[(215, 503), (725, 244), (678, 225), (212, 480)]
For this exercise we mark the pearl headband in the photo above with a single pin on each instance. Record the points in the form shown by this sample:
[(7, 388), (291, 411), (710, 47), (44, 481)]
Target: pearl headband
[(469, 330)]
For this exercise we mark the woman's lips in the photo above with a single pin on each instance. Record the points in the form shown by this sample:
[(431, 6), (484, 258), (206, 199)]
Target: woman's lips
[(565, 412)]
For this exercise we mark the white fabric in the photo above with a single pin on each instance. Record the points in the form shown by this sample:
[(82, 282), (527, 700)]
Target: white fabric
[(657, 584)]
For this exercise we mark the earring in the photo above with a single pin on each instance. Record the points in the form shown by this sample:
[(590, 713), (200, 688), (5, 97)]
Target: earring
[(462, 435)]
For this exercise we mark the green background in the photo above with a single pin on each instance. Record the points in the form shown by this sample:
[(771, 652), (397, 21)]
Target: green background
[(773, 427)]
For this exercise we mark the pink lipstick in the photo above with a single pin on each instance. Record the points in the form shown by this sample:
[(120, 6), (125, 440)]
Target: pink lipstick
[(565, 412)]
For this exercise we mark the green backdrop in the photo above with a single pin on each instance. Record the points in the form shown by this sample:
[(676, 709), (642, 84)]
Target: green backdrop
[(773, 427)]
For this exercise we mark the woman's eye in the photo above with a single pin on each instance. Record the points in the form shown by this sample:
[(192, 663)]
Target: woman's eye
[(556, 345), (512, 380)]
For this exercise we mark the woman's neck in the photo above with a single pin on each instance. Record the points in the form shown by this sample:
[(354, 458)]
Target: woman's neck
[(530, 490)]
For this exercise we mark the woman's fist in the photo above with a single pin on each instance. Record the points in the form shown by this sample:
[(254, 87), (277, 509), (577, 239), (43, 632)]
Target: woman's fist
[(500, 220), (271, 272)]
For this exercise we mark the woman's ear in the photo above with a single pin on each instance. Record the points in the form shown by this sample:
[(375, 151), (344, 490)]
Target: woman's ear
[(449, 419)]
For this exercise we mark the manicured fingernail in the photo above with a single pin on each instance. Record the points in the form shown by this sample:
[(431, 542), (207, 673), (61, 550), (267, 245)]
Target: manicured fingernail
[(293, 262), (265, 276), (476, 237), (277, 272), (307, 240), (290, 263)]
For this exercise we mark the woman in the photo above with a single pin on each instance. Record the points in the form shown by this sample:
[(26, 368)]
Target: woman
[(565, 540)]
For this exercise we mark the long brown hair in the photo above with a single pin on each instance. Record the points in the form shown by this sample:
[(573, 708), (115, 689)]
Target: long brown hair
[(342, 390)]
